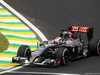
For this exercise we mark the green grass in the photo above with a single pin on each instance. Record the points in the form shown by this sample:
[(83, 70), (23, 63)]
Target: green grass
[(3, 43)]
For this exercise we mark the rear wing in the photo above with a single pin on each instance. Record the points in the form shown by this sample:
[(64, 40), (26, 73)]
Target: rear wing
[(81, 29)]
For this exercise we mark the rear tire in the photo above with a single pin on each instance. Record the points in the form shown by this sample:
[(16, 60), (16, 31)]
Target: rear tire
[(24, 51), (62, 55), (94, 46)]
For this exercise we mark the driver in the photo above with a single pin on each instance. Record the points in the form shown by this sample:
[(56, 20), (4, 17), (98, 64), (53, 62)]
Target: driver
[(57, 40), (67, 35)]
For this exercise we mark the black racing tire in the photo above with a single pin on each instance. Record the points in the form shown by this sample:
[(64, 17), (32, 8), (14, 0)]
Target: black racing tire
[(62, 54), (94, 46), (24, 51)]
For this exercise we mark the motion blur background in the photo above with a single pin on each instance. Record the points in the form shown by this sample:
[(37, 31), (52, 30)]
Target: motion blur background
[(50, 15)]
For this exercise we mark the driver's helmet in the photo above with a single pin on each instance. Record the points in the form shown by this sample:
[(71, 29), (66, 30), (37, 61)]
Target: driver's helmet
[(67, 35), (57, 40)]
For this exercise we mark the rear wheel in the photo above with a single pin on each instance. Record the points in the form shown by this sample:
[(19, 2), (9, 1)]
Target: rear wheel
[(24, 51), (62, 56), (94, 46)]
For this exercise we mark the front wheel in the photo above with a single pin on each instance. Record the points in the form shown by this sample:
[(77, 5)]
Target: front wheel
[(62, 56), (24, 51)]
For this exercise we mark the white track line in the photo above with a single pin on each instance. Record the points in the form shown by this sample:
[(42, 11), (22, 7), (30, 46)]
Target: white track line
[(41, 73), (92, 73), (19, 67)]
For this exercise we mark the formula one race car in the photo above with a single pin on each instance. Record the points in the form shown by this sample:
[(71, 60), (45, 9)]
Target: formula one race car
[(68, 46)]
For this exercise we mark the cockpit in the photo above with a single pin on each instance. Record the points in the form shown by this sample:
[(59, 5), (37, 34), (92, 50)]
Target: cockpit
[(66, 35)]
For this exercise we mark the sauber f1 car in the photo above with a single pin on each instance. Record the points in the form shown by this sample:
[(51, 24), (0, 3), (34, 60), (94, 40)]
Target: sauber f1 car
[(68, 46)]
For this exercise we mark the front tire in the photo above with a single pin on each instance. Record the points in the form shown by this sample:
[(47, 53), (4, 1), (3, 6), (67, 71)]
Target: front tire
[(24, 51), (62, 55)]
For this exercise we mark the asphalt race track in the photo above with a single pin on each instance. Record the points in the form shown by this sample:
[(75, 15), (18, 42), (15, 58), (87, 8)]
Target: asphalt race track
[(51, 15)]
